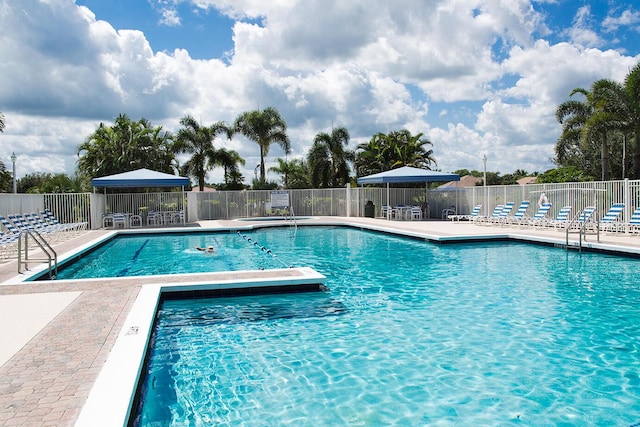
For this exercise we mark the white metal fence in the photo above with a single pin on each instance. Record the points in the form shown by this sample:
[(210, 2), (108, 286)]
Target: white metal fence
[(324, 202)]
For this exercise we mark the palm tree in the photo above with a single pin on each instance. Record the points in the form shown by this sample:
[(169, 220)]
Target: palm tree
[(294, 173), (232, 176), (572, 149), (328, 159), (371, 157), (198, 141), (264, 128), (126, 146), (396, 149), (620, 103), (409, 150)]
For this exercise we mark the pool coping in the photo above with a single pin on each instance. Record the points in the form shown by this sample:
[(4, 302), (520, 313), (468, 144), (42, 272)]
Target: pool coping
[(113, 393)]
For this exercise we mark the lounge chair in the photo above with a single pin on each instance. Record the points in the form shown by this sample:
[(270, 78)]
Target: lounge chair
[(633, 225), (481, 220), (468, 217), (611, 220), (540, 218), (518, 216), (583, 220), (9, 227), (49, 218), (502, 216), (562, 219), (8, 244)]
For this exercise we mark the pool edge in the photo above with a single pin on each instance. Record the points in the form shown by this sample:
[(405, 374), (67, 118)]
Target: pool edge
[(113, 393)]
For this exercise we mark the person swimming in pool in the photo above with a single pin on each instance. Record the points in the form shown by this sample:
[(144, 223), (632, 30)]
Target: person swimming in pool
[(208, 249)]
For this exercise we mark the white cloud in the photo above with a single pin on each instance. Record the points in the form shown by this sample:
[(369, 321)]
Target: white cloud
[(369, 66), (627, 18), (170, 17)]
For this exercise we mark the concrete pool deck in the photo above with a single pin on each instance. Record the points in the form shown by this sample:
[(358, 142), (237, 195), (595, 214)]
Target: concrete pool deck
[(57, 335)]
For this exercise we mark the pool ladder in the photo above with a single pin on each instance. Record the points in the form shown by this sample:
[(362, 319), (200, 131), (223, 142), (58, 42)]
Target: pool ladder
[(582, 227), (41, 242)]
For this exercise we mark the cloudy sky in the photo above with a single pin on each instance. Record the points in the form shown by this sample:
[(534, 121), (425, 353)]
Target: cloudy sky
[(475, 76)]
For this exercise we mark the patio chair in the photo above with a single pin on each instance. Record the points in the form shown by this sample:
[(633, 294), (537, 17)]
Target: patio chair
[(448, 211), (611, 220), (155, 218), (386, 211), (468, 217), (120, 219), (416, 213)]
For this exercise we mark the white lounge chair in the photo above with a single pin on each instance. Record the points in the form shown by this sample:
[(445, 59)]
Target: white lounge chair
[(468, 217), (611, 220), (482, 220), (633, 225), (561, 220), (518, 216), (540, 218)]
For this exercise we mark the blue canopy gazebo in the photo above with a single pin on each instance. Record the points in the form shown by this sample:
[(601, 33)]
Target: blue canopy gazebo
[(407, 174), (141, 178), (144, 178)]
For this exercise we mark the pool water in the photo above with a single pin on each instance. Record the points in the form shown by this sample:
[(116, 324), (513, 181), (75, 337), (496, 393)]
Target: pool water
[(174, 253), (409, 333)]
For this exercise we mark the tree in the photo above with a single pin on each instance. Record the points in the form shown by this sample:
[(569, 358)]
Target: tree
[(2, 124), (46, 183), (126, 146), (264, 128), (393, 150), (576, 144), (6, 180), (197, 141), (620, 104), (564, 174), (232, 176), (328, 159), (294, 173)]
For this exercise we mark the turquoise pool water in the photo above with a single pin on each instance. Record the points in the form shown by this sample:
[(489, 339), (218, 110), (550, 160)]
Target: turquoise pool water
[(175, 253), (409, 333)]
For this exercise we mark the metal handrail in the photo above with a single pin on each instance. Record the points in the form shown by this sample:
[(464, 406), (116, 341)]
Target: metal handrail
[(52, 256), (582, 226)]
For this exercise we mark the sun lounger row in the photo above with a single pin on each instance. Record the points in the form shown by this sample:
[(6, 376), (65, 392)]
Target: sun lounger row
[(585, 219), (45, 223)]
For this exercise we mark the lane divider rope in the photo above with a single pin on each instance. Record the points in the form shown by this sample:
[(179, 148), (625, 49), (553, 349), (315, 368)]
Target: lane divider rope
[(263, 249)]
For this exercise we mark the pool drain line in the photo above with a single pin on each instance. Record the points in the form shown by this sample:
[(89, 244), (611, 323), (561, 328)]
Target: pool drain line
[(263, 249)]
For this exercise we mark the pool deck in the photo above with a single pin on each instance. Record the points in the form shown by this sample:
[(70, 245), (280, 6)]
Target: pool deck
[(57, 335)]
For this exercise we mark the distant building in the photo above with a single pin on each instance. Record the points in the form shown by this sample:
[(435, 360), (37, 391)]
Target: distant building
[(465, 181), (527, 180)]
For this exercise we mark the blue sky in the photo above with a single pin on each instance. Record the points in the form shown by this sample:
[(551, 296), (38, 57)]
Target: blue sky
[(476, 77)]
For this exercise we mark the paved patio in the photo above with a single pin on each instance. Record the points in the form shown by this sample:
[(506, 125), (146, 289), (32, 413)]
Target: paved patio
[(62, 331)]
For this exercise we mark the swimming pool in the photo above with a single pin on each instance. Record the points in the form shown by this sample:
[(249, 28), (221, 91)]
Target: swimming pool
[(409, 333)]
